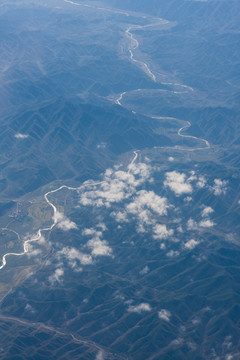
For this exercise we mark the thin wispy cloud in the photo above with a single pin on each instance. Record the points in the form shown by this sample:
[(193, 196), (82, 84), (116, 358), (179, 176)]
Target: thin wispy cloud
[(144, 271)]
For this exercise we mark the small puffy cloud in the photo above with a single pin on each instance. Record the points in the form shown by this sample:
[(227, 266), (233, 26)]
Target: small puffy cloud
[(187, 199), (74, 257), (99, 247), (120, 216), (91, 232), (143, 307), (171, 158), (201, 182), (164, 315), (161, 232), (144, 271), (63, 222), (192, 225), (102, 226), (191, 244), (206, 223), (219, 187), (177, 183), (207, 211), (21, 136), (56, 277), (173, 253)]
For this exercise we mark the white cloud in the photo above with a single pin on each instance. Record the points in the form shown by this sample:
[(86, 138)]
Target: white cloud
[(63, 222), (21, 136), (180, 229), (120, 216), (191, 244), (172, 253), (102, 226), (219, 187), (192, 225), (74, 257), (177, 183), (206, 211), (144, 271), (91, 232), (116, 186), (171, 158), (201, 182), (164, 315), (139, 308), (146, 201), (188, 199), (42, 240), (99, 247), (56, 276), (206, 223), (161, 232)]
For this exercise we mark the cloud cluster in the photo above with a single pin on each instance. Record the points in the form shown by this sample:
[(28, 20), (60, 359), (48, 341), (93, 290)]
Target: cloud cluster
[(116, 186), (145, 208), (75, 258), (161, 232), (97, 246), (219, 187), (205, 223)]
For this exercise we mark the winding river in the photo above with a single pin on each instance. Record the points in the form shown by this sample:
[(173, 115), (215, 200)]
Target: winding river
[(133, 45)]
